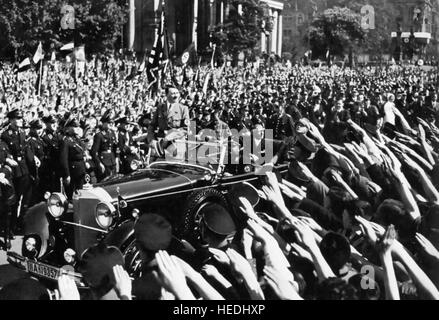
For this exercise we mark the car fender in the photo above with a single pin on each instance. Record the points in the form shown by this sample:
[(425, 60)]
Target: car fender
[(121, 235), (36, 222)]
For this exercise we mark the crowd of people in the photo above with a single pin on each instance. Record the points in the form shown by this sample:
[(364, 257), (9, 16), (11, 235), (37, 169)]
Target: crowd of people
[(356, 218)]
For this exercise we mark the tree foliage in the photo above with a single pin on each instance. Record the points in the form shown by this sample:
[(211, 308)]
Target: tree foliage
[(24, 23), (376, 41), (242, 32), (337, 30)]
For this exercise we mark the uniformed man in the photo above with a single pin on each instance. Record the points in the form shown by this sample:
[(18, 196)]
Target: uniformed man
[(170, 119), (72, 156), (7, 194), (127, 150), (50, 168), (104, 150), (15, 137), (36, 145), (169, 115)]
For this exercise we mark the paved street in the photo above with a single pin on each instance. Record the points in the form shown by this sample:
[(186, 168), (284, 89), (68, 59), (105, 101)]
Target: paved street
[(7, 272)]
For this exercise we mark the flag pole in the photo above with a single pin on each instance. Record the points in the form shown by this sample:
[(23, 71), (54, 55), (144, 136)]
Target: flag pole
[(41, 77)]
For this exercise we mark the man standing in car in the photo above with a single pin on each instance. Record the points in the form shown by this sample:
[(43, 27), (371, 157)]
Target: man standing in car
[(170, 118), (72, 157), (104, 150), (50, 168), (169, 115)]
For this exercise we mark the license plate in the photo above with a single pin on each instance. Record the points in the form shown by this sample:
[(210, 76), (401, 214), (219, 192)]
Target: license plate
[(43, 270)]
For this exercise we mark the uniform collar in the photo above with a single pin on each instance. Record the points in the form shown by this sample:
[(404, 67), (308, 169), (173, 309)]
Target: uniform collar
[(13, 127)]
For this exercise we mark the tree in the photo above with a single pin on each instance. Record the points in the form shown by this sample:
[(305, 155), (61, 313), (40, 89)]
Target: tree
[(241, 32), (24, 23), (337, 30)]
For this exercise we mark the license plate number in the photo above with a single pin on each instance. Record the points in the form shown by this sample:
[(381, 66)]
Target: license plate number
[(43, 270)]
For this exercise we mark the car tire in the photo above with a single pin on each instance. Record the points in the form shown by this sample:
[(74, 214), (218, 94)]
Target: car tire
[(189, 228)]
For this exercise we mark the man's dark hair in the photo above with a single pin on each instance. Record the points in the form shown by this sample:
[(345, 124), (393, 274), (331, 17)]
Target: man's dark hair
[(393, 212), (336, 250), (306, 154), (340, 200), (169, 87)]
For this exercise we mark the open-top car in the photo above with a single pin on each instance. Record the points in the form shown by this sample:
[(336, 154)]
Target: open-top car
[(58, 231)]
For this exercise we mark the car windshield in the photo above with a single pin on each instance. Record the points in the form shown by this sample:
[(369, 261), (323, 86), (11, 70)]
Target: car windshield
[(184, 168)]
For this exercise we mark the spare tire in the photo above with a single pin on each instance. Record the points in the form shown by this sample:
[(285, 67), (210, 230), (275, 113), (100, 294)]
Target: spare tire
[(189, 228)]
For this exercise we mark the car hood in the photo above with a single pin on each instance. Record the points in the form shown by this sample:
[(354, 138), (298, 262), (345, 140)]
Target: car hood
[(146, 183)]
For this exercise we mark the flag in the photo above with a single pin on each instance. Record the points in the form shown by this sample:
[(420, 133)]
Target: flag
[(134, 72), (212, 62), (142, 66), (53, 57), (206, 83), (327, 54), (38, 56), (158, 57), (68, 47), (24, 65), (79, 54), (185, 58), (39, 81)]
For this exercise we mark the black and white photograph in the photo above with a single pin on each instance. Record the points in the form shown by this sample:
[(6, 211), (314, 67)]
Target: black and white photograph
[(232, 151)]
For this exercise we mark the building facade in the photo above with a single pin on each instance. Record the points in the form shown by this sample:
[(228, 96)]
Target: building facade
[(414, 31), (190, 21), (409, 27)]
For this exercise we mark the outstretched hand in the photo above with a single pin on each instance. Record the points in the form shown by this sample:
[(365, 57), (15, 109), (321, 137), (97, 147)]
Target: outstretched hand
[(172, 276), (67, 289), (123, 284), (427, 246)]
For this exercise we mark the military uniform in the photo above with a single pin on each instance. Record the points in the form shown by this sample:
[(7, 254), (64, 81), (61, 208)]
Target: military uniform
[(167, 117), (50, 166), (15, 139), (125, 142), (7, 194), (72, 156), (104, 152), (36, 146)]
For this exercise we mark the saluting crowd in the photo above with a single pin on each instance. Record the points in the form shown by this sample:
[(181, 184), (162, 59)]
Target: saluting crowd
[(356, 217)]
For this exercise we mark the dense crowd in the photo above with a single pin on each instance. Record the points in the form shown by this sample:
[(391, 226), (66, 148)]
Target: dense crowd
[(355, 218)]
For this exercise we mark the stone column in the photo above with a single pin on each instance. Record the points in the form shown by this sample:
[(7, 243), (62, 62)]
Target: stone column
[(274, 33), (131, 25), (195, 25), (212, 8), (280, 35), (156, 16), (263, 42)]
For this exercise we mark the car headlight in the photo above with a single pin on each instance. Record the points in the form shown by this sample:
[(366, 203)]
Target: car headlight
[(57, 204), (104, 215), (134, 165), (31, 246)]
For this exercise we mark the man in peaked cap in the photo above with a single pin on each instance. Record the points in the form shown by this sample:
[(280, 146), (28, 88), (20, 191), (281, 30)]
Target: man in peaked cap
[(50, 168), (36, 145), (217, 226), (15, 137), (125, 144), (72, 157), (105, 149)]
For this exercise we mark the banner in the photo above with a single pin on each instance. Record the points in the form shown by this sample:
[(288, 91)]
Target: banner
[(38, 56), (79, 54)]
